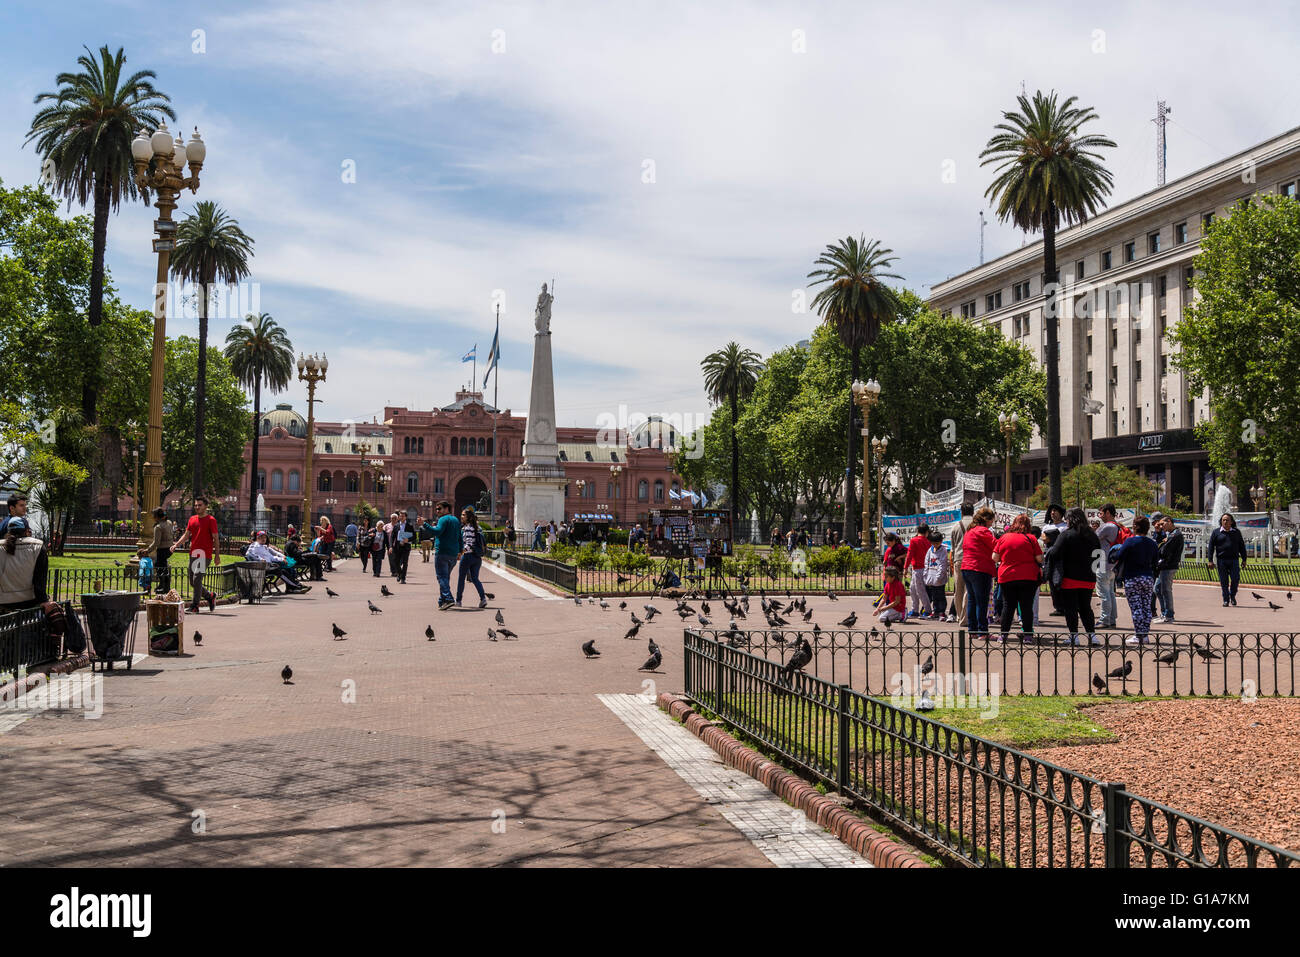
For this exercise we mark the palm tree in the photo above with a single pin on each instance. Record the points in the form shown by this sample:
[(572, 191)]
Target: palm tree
[(1048, 173), (84, 139), (855, 302), (259, 351), (730, 375), (210, 246)]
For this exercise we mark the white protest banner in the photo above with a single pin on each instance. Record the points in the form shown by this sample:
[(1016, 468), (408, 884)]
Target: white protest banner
[(938, 501), (969, 482)]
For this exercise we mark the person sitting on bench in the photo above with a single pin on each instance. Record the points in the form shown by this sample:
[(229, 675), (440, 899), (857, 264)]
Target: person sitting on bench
[(276, 565), (310, 562)]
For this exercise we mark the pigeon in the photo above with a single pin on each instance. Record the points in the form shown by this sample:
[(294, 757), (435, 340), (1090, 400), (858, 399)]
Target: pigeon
[(490, 596), (683, 615), (1123, 672), (492, 635), (631, 632), (331, 592), (285, 674), (1170, 657), (1274, 607), (500, 618), (1288, 597), (654, 661), (506, 633), (589, 649), (577, 601), (383, 590), (650, 611), (198, 638), (1257, 596), (117, 563), (339, 633), (623, 579), (635, 619), (817, 629), (704, 607), (622, 606), (1097, 682), (928, 666), (703, 621), (591, 600), (604, 605), (1208, 654), (850, 621), (807, 616), (831, 595), (428, 632), (926, 703), (374, 609), (803, 654)]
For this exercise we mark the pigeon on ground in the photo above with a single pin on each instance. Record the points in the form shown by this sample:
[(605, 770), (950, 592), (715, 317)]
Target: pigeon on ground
[(198, 638), (339, 633), (635, 619), (1274, 607), (807, 616), (1208, 654), (1097, 682), (926, 703), (285, 674), (500, 618), (650, 611), (374, 609), (383, 590), (831, 595), (623, 579), (506, 633), (577, 601), (622, 606), (1288, 597), (492, 635), (117, 563), (631, 632), (428, 632), (704, 607), (1257, 596), (604, 605), (490, 596), (591, 600), (331, 592), (703, 621), (589, 649), (1123, 672), (654, 661), (1169, 657), (850, 621)]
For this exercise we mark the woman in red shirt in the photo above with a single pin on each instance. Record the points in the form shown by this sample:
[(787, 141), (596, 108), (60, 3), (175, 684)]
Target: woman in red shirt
[(977, 571), (1019, 558)]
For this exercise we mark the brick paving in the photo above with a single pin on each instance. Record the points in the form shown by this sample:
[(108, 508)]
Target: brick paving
[(447, 744)]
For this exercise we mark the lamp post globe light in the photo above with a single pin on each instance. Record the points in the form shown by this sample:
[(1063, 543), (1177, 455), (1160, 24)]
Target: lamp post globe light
[(866, 395), (1009, 425), (159, 165), (311, 369)]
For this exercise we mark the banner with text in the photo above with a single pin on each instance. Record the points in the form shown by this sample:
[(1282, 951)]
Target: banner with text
[(905, 526)]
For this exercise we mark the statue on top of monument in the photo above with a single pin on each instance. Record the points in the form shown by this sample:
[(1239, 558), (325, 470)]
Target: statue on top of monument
[(543, 316)]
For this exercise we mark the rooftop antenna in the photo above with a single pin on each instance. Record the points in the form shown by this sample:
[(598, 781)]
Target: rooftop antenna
[(982, 225), (1162, 152)]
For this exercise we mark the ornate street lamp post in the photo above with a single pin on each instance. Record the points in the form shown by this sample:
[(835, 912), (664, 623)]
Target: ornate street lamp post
[(311, 369), (880, 446), (1009, 424), (159, 166), (615, 471), (866, 395)]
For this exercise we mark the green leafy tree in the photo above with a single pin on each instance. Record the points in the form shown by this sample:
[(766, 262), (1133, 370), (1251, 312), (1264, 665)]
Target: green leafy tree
[(1048, 174), (856, 302), (729, 376), (210, 247), (259, 352), (1240, 338), (1095, 484), (227, 427), (84, 138)]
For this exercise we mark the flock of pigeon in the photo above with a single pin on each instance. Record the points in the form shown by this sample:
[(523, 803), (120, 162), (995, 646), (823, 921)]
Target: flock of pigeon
[(1169, 657), (589, 650)]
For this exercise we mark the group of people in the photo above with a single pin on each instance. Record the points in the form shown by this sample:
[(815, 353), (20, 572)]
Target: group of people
[(997, 576), (451, 540)]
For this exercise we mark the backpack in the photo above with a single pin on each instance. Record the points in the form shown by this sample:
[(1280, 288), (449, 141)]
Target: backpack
[(1124, 533), (479, 546)]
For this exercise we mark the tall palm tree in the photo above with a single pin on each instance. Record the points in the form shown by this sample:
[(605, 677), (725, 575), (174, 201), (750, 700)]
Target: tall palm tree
[(84, 139), (730, 375), (259, 352), (855, 301), (210, 246), (1048, 174)]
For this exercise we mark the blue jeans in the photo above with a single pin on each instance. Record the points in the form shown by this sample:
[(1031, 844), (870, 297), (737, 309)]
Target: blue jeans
[(1106, 591), (442, 568), (1229, 578), (978, 586), (1165, 592), (469, 566)]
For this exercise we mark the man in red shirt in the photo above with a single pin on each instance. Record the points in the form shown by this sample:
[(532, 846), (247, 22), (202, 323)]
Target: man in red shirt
[(203, 539), (915, 564)]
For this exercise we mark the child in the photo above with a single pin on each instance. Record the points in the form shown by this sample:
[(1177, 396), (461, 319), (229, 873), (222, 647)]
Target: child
[(935, 576), (891, 606)]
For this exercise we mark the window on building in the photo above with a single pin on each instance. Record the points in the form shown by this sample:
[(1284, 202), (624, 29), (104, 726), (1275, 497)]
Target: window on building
[(1180, 234), (437, 486), (1130, 252), (1105, 260), (1114, 375), (1114, 423), (1187, 277), (261, 480), (1089, 380), (1164, 323), (1078, 269), (1207, 220), (406, 444), (1114, 340), (352, 481), (381, 449), (1164, 365), (420, 450), (945, 314), (968, 310), (323, 484), (482, 446), (1137, 337), (993, 301), (266, 427), (659, 490), (412, 482), (1087, 420), (1137, 371), (452, 446), (643, 490), (1164, 415), (1020, 291), (1287, 189), (295, 481), (1088, 346), (464, 446), (329, 448), (277, 481), (1153, 243), (503, 488), (1162, 285)]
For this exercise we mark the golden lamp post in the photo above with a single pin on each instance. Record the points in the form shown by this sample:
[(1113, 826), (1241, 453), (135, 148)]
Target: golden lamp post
[(866, 395), (615, 472), (880, 446), (311, 369), (159, 166), (1009, 424)]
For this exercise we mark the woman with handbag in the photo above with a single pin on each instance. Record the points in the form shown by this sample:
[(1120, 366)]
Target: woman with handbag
[(1072, 561)]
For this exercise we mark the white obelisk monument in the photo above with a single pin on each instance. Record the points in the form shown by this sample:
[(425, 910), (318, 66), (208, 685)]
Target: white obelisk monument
[(539, 481)]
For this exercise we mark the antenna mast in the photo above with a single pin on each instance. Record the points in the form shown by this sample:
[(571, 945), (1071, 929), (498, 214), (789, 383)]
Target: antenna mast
[(1162, 152), (982, 225)]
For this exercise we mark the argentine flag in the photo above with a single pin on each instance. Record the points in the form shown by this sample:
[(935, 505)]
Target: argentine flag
[(494, 354), (470, 356)]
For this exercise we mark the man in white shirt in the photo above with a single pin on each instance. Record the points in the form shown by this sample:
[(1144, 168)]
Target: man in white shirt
[(261, 551), (1108, 535)]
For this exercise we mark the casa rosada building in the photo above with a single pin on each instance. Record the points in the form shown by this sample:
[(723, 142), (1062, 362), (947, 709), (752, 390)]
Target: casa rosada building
[(446, 453)]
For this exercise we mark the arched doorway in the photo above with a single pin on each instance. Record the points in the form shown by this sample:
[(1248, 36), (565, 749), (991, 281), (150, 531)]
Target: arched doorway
[(468, 491)]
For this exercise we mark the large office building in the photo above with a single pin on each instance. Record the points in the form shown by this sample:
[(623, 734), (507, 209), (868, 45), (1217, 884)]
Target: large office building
[(1126, 279)]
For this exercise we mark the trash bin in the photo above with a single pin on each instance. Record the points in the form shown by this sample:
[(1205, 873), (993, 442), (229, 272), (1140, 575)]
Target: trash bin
[(250, 578), (111, 619)]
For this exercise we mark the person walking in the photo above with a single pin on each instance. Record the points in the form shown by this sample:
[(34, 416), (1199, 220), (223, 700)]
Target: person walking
[(164, 536), (378, 546), (954, 564), (350, 533), (1019, 558), (327, 537), (1108, 536), (1227, 550), (471, 557), (977, 570), (935, 575), (23, 567), (204, 543), (1135, 558), (447, 545), (1072, 561), (365, 538), (1170, 560), (403, 535), (914, 565)]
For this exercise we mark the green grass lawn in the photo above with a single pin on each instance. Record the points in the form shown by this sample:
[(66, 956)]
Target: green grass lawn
[(98, 560)]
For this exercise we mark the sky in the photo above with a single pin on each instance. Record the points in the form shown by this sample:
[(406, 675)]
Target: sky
[(674, 168)]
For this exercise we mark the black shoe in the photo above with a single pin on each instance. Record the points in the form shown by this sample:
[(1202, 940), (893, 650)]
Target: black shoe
[(1234, 603), (212, 601), (1225, 604)]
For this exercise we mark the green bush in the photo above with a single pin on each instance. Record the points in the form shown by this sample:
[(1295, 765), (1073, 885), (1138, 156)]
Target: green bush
[(622, 560), (589, 556), (838, 561)]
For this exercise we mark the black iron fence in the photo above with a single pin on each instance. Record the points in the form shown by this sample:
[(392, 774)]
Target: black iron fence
[(983, 803), (1258, 572), (25, 641), (69, 584), (883, 661), (544, 569)]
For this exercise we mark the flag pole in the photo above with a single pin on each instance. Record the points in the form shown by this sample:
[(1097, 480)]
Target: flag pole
[(496, 382)]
